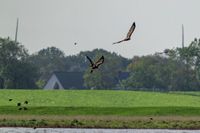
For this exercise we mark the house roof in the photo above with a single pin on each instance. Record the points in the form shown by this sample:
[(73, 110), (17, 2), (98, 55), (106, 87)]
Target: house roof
[(123, 75), (70, 79)]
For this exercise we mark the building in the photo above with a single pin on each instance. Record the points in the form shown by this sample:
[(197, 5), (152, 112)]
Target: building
[(65, 80), (73, 80)]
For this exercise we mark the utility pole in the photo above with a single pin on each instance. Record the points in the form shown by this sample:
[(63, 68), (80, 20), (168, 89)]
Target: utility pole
[(16, 30), (182, 36)]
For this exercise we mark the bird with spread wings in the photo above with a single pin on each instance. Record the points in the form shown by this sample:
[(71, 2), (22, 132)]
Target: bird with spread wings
[(128, 36), (95, 65)]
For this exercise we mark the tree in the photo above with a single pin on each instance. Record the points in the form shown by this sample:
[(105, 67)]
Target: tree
[(194, 57), (47, 61), (15, 70), (159, 73)]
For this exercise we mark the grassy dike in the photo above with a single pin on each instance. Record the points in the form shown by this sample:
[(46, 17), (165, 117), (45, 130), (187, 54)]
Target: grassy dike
[(100, 109)]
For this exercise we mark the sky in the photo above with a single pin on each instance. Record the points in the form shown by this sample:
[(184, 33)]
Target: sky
[(98, 23)]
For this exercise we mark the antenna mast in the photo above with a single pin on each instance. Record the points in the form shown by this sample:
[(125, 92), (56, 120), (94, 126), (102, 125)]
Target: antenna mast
[(182, 36), (16, 30)]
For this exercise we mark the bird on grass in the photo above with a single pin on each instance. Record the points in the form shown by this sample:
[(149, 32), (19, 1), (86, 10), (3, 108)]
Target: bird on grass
[(25, 102), (10, 99), (25, 108), (128, 36), (95, 65), (18, 104)]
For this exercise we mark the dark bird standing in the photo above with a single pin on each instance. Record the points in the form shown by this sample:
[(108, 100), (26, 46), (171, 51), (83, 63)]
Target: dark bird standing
[(128, 36), (18, 104), (25, 102), (96, 64), (25, 108), (10, 99)]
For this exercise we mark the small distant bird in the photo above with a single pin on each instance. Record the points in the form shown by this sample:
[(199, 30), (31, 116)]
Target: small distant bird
[(128, 36), (151, 118), (10, 99), (166, 51), (96, 64), (20, 108), (25, 102), (18, 104), (75, 43), (25, 108)]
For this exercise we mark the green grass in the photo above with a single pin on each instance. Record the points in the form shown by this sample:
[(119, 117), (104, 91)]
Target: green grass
[(191, 93), (95, 98), (94, 102), (102, 103), (101, 111)]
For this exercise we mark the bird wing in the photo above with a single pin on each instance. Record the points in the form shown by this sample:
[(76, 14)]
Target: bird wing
[(131, 30), (118, 42), (100, 61), (90, 60)]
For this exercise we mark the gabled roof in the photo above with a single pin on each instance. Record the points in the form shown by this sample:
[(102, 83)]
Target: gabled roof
[(70, 79)]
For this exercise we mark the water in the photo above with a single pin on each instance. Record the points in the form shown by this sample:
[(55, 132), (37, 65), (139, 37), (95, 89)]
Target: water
[(85, 130)]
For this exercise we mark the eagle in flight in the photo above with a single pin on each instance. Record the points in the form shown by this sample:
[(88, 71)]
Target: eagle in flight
[(128, 36), (96, 64)]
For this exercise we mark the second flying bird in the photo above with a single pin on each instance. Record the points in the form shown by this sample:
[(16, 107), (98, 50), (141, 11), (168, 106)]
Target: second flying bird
[(128, 36)]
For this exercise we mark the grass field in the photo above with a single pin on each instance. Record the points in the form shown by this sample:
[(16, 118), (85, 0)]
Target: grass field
[(95, 98), (95, 104)]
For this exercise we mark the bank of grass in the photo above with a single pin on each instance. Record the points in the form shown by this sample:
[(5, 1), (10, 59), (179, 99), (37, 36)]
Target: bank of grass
[(68, 108), (149, 122), (102, 111)]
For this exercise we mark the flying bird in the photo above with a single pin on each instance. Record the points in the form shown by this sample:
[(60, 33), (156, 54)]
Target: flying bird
[(128, 36), (96, 64)]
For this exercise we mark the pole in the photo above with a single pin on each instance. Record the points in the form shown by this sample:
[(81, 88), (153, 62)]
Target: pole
[(16, 30)]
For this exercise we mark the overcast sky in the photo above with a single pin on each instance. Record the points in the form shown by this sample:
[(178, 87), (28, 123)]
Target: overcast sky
[(99, 23)]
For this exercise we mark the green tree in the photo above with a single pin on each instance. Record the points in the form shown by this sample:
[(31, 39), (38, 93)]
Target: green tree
[(15, 70), (47, 61), (159, 73)]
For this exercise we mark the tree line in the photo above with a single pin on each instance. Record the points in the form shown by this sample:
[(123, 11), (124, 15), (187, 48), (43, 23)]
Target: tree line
[(175, 69)]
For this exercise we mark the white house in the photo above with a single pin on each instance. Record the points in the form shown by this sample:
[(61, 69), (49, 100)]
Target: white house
[(65, 80)]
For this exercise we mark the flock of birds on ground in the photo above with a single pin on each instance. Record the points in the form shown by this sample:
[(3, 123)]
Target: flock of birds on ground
[(95, 65), (21, 106)]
